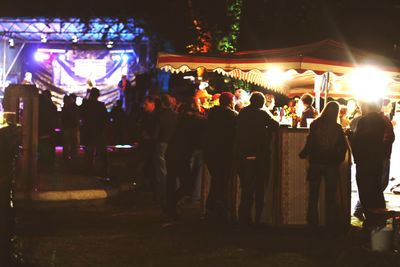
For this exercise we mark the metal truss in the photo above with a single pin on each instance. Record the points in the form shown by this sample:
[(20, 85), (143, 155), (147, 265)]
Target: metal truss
[(77, 30)]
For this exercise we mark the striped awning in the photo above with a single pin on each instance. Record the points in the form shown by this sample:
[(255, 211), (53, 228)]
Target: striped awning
[(301, 63)]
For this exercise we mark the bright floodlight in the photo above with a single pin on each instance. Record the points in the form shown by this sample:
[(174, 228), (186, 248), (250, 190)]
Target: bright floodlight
[(61, 57), (11, 42), (276, 77), (369, 83), (40, 56), (116, 57), (43, 38), (75, 39), (110, 44), (79, 101), (203, 85), (125, 57)]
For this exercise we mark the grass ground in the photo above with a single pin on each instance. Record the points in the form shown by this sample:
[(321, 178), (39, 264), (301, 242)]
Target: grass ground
[(127, 232)]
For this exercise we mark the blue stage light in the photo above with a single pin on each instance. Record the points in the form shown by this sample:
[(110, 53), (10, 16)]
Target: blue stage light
[(125, 58), (116, 57)]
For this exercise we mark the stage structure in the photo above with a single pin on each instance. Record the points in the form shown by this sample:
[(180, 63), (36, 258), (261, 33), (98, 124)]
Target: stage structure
[(71, 55), (65, 56)]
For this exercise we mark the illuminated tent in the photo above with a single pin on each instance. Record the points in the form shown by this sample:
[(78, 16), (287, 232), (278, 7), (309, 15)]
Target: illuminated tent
[(323, 64)]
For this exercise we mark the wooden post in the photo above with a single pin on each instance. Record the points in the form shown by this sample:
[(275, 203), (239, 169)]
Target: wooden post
[(8, 144), (27, 179)]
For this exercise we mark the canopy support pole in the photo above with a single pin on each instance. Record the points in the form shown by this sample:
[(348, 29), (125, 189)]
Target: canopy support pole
[(3, 74), (317, 91), (14, 60), (327, 85)]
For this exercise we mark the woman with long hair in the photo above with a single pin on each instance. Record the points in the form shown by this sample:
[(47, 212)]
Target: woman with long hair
[(325, 147)]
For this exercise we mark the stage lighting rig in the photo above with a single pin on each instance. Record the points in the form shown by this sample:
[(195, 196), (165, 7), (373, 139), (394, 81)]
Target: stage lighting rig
[(110, 44), (75, 39), (11, 43), (125, 58), (43, 38)]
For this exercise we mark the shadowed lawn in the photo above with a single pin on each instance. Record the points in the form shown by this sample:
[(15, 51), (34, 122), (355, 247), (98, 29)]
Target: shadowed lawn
[(128, 231)]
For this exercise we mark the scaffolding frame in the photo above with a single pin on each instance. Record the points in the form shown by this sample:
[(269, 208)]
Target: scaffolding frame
[(92, 31)]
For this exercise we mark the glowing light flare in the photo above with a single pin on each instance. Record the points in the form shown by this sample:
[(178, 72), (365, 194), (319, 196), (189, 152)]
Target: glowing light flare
[(351, 106), (299, 108), (40, 56), (43, 38), (192, 78), (11, 42), (75, 39), (337, 86), (125, 58), (79, 101), (277, 77), (203, 85), (123, 146), (116, 57), (110, 44), (369, 83)]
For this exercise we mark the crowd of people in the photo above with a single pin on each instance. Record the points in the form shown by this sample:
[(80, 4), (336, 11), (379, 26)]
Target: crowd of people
[(176, 138), (84, 124)]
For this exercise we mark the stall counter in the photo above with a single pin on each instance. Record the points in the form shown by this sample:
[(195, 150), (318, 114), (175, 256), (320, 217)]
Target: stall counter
[(286, 197)]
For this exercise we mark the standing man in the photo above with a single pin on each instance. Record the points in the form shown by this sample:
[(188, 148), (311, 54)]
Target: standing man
[(118, 121), (309, 112), (187, 137), (252, 151), (94, 120), (125, 94), (47, 124), (70, 128), (166, 120), (371, 144), (220, 133), (147, 126)]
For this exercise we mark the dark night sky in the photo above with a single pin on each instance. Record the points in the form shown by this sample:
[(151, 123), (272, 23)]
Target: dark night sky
[(369, 24)]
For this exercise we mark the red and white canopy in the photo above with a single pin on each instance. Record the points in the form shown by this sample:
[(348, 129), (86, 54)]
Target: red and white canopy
[(302, 63)]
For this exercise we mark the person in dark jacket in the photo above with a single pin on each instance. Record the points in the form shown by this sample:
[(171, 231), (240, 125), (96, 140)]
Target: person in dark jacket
[(126, 94), (94, 120), (371, 145), (147, 126), (326, 148), (166, 119), (218, 152), (188, 137), (47, 124), (252, 151), (70, 128), (309, 112), (388, 140), (118, 121)]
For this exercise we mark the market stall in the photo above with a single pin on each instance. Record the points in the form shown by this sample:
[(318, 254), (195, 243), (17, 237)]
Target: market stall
[(326, 68), (293, 70)]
